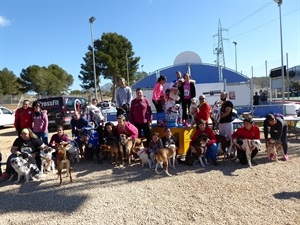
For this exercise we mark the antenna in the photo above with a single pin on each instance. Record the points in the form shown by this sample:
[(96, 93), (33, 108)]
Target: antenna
[(219, 51)]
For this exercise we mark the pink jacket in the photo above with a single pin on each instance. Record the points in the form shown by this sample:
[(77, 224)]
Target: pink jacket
[(130, 130), (157, 91), (40, 122)]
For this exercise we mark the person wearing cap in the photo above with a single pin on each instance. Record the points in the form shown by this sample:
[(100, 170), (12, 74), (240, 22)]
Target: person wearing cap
[(204, 110), (92, 144), (248, 131), (40, 122), (212, 148), (123, 97), (23, 117), (278, 131), (28, 145)]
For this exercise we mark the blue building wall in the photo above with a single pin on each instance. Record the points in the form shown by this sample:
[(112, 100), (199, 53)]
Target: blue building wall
[(201, 73)]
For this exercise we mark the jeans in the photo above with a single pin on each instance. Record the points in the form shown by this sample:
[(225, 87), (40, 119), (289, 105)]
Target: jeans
[(211, 152), (43, 136)]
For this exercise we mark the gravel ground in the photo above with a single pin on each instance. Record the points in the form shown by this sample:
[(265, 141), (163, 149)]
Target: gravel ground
[(101, 194)]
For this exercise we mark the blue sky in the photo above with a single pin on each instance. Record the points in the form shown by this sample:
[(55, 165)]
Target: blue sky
[(44, 32)]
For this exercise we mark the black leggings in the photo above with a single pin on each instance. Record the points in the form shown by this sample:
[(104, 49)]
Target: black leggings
[(158, 106)]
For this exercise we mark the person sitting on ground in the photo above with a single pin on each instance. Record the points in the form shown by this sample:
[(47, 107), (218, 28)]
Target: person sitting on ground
[(169, 139), (78, 123), (92, 147), (155, 146), (28, 145), (212, 148), (278, 131), (59, 137), (248, 131)]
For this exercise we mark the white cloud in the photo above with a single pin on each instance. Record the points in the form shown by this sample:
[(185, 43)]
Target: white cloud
[(4, 22)]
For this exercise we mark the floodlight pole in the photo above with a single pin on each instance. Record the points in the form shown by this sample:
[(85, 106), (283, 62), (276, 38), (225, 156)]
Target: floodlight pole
[(279, 2), (235, 43), (91, 20)]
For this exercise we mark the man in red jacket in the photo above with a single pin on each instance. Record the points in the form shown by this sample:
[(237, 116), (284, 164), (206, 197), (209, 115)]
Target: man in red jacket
[(23, 117)]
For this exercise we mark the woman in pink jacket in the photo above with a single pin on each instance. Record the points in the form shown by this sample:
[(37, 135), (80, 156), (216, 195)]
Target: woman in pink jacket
[(124, 127), (158, 94)]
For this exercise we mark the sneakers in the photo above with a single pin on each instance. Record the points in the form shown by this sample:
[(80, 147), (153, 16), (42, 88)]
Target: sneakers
[(272, 156), (285, 157), (5, 176)]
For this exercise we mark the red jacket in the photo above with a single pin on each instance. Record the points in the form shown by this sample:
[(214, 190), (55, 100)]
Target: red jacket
[(140, 111), (23, 118), (210, 135), (204, 112), (251, 134)]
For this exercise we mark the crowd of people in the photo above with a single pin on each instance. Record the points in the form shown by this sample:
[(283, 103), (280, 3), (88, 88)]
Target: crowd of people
[(135, 120)]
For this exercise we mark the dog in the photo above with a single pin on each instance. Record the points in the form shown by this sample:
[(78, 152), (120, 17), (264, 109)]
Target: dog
[(163, 156), (130, 147), (73, 151), (191, 121), (199, 147), (216, 113), (46, 159), (111, 148), (224, 145), (273, 147), (248, 145), (62, 161), (144, 156), (173, 113), (23, 168)]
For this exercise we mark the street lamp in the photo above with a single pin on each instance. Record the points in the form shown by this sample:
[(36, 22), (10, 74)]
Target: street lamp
[(127, 69), (279, 2), (235, 43), (91, 20)]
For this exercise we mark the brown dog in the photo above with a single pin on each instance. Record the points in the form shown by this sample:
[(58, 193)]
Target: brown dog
[(199, 147), (163, 156), (273, 147), (113, 149), (222, 140), (63, 161), (129, 146)]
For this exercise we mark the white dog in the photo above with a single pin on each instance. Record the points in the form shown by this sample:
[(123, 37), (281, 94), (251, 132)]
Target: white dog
[(47, 161), (144, 156), (193, 112), (248, 145), (23, 168)]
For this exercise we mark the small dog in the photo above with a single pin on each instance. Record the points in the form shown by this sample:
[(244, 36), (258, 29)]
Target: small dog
[(144, 156), (130, 147), (199, 147), (62, 161), (193, 111), (113, 149), (248, 145), (216, 113), (163, 156), (273, 147), (73, 150), (23, 168), (222, 140), (47, 161)]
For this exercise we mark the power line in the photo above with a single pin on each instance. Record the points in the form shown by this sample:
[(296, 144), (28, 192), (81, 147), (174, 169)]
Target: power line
[(252, 14), (257, 27)]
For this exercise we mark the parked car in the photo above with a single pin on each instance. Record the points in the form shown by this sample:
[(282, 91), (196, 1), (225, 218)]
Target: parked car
[(61, 109), (7, 116)]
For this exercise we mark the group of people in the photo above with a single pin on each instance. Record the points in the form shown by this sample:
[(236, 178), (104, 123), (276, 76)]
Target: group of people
[(31, 123)]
